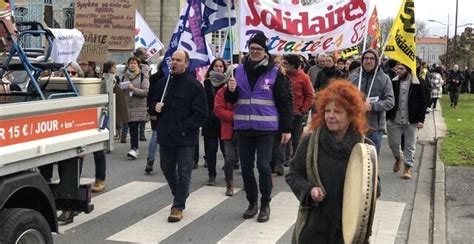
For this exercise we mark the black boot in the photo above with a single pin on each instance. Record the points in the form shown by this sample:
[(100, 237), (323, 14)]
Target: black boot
[(149, 166), (251, 211), (264, 214)]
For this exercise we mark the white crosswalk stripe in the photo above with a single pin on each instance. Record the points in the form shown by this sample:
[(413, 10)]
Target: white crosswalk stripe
[(284, 208), (115, 198), (155, 228)]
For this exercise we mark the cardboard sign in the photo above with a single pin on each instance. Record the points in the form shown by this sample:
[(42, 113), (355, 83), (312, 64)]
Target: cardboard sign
[(105, 24), (37, 127)]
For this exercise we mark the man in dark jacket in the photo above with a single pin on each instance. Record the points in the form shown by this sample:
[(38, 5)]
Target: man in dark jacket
[(179, 115), (405, 118), (262, 106), (454, 80)]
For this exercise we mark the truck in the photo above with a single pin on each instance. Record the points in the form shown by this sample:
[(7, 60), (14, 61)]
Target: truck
[(44, 132)]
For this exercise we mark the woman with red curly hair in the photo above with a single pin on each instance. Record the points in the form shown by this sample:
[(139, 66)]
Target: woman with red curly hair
[(339, 124)]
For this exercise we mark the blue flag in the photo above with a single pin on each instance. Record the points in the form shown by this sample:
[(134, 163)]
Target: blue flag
[(226, 51), (216, 15), (188, 36)]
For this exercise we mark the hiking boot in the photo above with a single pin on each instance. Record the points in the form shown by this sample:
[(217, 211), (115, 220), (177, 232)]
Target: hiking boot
[(211, 181), (279, 170), (407, 172), (229, 188), (398, 164), (142, 138), (264, 214), (133, 154), (67, 216), (123, 139), (149, 166), (176, 215), (98, 186), (251, 211)]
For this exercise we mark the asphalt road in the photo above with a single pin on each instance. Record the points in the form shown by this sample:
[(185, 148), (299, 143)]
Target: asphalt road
[(135, 206)]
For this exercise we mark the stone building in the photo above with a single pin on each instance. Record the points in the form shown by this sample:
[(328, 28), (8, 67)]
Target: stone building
[(429, 49)]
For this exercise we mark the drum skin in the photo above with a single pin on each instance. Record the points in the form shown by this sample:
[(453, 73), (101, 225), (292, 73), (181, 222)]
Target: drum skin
[(359, 197)]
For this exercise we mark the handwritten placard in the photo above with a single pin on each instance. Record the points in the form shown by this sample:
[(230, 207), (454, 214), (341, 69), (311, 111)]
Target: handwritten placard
[(106, 24)]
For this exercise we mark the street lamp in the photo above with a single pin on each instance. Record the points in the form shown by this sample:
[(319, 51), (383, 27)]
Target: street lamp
[(447, 37)]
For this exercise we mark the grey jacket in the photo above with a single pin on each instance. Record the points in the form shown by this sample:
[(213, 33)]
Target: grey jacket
[(381, 96), (136, 103)]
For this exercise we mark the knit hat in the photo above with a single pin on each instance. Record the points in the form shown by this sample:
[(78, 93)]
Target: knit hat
[(260, 39)]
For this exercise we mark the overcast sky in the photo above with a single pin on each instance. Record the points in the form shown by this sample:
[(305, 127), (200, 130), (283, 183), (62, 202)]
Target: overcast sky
[(432, 9)]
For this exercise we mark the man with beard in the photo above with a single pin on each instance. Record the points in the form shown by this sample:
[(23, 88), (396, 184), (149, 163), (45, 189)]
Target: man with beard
[(262, 107), (379, 99), (405, 118), (328, 73), (179, 116)]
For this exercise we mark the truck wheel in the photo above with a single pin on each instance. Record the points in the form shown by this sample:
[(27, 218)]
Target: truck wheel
[(21, 225)]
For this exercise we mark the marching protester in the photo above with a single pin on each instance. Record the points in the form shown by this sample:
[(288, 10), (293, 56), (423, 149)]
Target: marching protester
[(329, 72), (215, 79), (405, 118), (454, 80), (303, 95), (318, 67), (179, 115), (262, 106), (135, 84), (225, 112), (437, 84), (338, 125), (152, 145), (379, 99)]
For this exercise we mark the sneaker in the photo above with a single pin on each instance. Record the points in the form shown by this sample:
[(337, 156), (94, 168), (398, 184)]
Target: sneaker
[(251, 211), (407, 172), (149, 166), (211, 181), (176, 215), (264, 214), (398, 164), (142, 138), (98, 186), (428, 110), (133, 154)]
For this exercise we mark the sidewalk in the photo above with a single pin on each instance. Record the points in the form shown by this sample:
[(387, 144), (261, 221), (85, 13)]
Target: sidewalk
[(444, 199)]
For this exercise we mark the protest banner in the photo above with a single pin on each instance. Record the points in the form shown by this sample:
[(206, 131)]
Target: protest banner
[(145, 37), (321, 27)]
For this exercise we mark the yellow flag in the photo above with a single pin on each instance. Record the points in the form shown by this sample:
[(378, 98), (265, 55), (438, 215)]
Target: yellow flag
[(401, 42), (349, 52)]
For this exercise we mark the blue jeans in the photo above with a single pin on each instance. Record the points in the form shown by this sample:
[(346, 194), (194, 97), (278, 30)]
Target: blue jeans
[(248, 145), (376, 137), (152, 147), (178, 180)]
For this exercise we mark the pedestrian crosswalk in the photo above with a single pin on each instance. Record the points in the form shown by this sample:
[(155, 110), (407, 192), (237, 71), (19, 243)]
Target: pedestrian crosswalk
[(202, 201)]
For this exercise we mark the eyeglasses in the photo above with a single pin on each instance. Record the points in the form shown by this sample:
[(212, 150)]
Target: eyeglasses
[(369, 58), (256, 49), (73, 73)]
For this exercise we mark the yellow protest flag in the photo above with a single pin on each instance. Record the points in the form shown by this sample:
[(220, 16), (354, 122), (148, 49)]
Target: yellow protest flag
[(349, 52), (401, 42)]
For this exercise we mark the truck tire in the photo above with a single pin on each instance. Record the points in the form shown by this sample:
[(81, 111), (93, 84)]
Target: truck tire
[(21, 225)]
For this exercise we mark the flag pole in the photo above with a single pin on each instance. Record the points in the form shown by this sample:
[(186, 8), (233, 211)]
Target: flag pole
[(229, 33), (166, 86), (363, 50)]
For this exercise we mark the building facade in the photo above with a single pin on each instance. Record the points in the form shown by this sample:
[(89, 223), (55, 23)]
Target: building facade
[(431, 48)]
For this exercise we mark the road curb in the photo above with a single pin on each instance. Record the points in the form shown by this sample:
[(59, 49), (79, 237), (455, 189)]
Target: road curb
[(420, 224), (439, 204)]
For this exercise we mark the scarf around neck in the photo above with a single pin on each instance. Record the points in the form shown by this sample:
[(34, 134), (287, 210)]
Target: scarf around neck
[(132, 74)]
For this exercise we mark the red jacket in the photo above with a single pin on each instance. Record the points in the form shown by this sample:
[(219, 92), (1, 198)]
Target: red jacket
[(225, 112), (303, 93)]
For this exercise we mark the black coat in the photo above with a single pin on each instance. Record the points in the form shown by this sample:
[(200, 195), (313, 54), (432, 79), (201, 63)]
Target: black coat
[(416, 102), (212, 127), (325, 76), (184, 111)]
